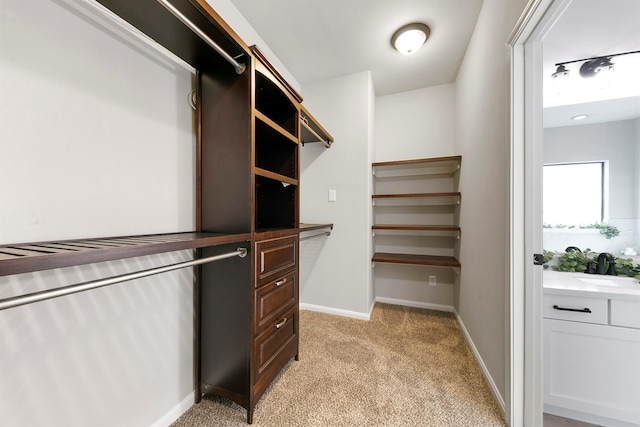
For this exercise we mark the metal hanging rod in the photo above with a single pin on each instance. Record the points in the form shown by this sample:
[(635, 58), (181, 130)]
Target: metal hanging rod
[(85, 286), (238, 66), (326, 233)]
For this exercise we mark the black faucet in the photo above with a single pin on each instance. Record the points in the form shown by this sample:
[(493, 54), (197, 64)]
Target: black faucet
[(600, 267)]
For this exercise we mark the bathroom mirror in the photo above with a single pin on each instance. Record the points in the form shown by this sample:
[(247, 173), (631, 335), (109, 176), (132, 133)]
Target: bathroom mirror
[(591, 176)]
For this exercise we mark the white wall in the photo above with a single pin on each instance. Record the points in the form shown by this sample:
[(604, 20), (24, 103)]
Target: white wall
[(335, 272), (87, 136), (482, 123), (117, 356), (415, 124), (612, 141)]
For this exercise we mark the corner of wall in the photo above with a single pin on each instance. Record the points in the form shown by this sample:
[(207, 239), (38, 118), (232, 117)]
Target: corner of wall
[(336, 273)]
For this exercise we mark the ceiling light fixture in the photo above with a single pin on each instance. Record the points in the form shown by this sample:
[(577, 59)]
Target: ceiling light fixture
[(561, 72), (591, 67), (596, 66), (580, 117), (409, 38)]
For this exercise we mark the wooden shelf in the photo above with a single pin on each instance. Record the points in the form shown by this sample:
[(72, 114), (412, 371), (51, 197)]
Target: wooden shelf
[(312, 131), (272, 105), (275, 176), (416, 227), (440, 206), (152, 19), (274, 72), (431, 260), (414, 167), (266, 120), (29, 257), (431, 230), (446, 198), (311, 227)]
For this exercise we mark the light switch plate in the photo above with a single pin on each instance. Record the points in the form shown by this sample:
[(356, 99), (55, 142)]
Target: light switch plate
[(332, 195)]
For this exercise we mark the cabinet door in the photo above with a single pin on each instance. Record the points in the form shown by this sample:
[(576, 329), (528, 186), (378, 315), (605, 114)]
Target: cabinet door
[(594, 369)]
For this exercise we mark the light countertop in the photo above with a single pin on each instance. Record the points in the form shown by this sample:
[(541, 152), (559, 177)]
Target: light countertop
[(591, 285)]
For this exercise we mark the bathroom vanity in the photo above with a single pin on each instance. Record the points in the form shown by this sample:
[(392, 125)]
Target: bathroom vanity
[(591, 341)]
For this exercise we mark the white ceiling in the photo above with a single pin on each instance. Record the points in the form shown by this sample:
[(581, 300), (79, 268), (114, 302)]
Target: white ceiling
[(322, 39), (590, 28)]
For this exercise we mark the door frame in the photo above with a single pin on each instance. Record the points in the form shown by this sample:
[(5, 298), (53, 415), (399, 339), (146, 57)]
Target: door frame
[(525, 279)]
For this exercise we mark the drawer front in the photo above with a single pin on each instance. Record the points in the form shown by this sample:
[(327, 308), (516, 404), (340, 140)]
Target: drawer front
[(577, 309), (277, 344), (625, 313), (273, 298), (275, 257)]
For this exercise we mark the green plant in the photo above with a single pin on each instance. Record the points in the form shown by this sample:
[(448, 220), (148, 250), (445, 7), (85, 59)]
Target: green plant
[(575, 260), (625, 267), (547, 255), (608, 231)]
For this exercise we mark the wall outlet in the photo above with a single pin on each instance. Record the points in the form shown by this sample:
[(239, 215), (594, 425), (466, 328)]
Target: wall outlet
[(432, 280)]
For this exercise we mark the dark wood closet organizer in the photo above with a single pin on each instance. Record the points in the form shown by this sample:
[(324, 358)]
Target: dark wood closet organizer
[(249, 133)]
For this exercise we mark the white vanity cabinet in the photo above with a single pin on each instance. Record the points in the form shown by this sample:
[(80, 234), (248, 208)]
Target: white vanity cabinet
[(592, 359)]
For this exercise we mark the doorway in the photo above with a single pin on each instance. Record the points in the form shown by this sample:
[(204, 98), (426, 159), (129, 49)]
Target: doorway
[(529, 73)]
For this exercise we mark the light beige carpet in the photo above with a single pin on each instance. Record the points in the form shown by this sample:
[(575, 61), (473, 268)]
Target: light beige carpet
[(404, 367)]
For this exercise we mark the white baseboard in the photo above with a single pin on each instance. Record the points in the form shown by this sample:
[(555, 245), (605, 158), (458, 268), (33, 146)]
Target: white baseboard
[(416, 304), (336, 311), (587, 418), (483, 367), (175, 413)]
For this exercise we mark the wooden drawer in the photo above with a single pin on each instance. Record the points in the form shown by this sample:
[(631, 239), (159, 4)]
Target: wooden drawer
[(276, 345), (625, 313), (273, 298), (275, 256), (577, 309)]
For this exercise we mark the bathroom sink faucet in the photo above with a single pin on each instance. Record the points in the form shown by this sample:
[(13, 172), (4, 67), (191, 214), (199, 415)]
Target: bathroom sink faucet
[(600, 267)]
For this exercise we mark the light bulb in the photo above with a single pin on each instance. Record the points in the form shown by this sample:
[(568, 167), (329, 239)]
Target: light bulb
[(559, 79), (410, 41)]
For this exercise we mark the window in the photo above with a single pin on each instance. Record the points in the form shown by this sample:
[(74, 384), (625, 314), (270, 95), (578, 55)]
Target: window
[(574, 193)]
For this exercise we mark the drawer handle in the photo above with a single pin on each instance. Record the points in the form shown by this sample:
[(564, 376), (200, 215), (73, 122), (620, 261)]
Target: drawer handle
[(579, 310), (281, 324), (281, 282)]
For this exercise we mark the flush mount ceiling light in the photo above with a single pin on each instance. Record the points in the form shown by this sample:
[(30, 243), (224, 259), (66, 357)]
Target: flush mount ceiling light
[(580, 117), (409, 38)]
